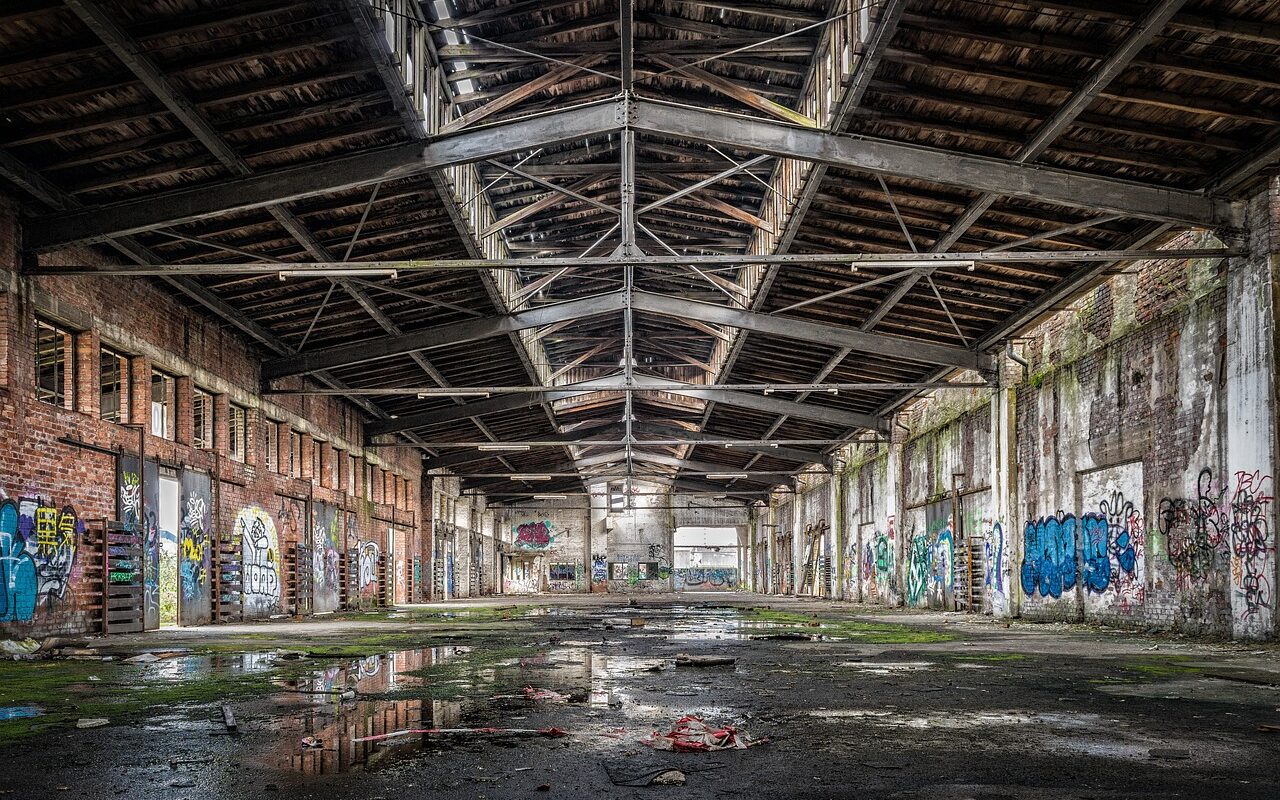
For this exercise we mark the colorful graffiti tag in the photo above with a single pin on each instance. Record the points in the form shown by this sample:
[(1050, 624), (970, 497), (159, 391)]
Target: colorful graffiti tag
[(562, 572), (367, 565), (260, 553), (37, 552), (703, 578), (1098, 549), (534, 535), (1196, 529), (599, 568)]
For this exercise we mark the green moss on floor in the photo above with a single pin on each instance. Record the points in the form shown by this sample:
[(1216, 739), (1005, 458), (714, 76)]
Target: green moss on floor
[(869, 632)]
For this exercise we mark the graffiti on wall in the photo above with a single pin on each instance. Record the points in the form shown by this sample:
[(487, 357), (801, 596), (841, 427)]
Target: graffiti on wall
[(534, 535), (194, 549), (326, 547), (562, 572), (878, 561), (38, 544), (1099, 549), (367, 565), (1195, 530), (993, 563), (1225, 524), (1251, 541), (931, 560), (599, 568), (703, 578), (260, 554)]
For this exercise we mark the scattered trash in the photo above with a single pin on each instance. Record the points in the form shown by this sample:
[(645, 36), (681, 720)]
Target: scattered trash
[(783, 637), (20, 647), (544, 695), (1269, 728), (291, 655), (92, 722), (312, 742), (182, 783), (1168, 753), (686, 660), (672, 777), (637, 622), (553, 733), (94, 678), (544, 787), (691, 735), (228, 718)]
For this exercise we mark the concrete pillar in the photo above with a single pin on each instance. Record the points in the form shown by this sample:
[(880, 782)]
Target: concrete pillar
[(836, 533), (88, 392), (1003, 546), (598, 536), (140, 391), (894, 502), (1251, 446), (797, 539)]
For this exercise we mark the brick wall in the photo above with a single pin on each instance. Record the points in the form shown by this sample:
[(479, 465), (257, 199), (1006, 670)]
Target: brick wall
[(63, 457)]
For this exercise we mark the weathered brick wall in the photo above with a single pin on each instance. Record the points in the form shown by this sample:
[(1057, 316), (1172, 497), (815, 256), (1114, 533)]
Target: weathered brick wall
[(552, 538), (54, 457), (1119, 419)]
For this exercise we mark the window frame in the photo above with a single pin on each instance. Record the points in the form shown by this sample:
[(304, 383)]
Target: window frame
[(124, 385), (203, 425), (64, 369), (237, 432), (170, 404), (271, 433)]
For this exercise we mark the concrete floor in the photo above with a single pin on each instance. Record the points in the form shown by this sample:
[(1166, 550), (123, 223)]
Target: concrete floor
[(875, 704)]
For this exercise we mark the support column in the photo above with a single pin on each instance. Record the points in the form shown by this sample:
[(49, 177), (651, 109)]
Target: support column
[(894, 503), (1003, 546), (1251, 446), (836, 533), (598, 537)]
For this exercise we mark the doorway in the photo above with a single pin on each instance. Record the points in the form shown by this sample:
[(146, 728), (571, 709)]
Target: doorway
[(706, 559), (168, 495)]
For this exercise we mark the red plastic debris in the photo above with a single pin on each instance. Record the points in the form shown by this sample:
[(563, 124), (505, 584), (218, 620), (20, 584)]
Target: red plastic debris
[(691, 735)]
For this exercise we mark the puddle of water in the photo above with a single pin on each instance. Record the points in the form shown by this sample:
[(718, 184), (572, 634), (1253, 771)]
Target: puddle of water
[(886, 667), (957, 720), (19, 712)]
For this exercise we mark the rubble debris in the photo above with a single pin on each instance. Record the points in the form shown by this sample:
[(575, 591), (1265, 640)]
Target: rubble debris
[(20, 647), (672, 777), (638, 622), (686, 660), (691, 735), (783, 637), (544, 695), (92, 722), (311, 742), (228, 718)]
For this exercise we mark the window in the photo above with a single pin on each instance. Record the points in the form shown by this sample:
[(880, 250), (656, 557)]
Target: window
[(338, 460), (201, 419), (351, 474), (113, 386), (237, 428), (54, 365), (164, 403), (271, 431), (368, 482), (617, 497), (316, 447)]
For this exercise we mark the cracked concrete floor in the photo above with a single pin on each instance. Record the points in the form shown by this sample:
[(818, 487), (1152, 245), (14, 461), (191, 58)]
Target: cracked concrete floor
[(855, 702)]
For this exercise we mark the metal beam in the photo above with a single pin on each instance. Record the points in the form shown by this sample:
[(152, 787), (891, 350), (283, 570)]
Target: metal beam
[(319, 177), (1001, 177), (440, 336), (893, 261), (892, 346), (471, 454), (766, 403)]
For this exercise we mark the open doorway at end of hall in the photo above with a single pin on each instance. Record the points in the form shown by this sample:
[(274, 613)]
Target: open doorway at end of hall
[(707, 559)]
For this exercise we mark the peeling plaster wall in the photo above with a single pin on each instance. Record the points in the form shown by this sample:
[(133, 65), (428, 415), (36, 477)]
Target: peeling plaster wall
[(546, 546)]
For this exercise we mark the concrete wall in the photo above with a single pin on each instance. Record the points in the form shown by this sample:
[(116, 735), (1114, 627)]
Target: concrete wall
[(64, 468), (547, 546), (1126, 478)]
